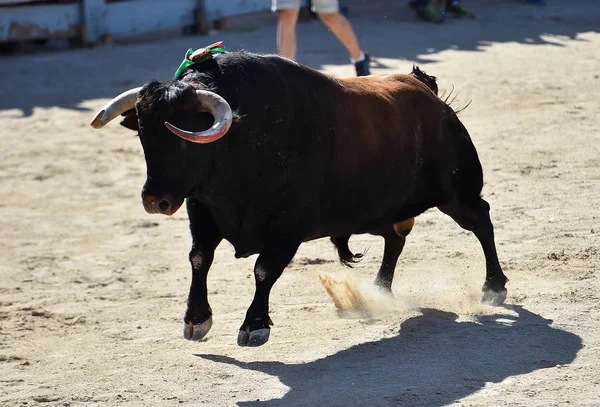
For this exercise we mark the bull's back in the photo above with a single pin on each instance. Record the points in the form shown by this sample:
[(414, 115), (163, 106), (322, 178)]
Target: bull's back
[(386, 130)]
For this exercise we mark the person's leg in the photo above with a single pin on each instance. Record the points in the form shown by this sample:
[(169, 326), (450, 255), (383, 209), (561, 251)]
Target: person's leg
[(286, 28), (342, 29), (328, 11), (286, 32)]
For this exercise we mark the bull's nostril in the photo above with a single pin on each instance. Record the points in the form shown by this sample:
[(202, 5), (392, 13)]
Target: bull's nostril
[(164, 205)]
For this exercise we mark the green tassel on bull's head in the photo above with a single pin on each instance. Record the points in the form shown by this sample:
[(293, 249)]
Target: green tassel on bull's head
[(200, 55)]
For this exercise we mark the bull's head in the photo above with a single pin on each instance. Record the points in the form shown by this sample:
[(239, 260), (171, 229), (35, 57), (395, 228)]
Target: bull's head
[(171, 160)]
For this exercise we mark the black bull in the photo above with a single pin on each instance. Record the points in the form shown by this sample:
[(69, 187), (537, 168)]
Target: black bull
[(268, 154)]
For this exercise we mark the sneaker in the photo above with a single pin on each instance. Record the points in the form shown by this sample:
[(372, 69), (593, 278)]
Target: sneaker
[(459, 11), (362, 67), (429, 13)]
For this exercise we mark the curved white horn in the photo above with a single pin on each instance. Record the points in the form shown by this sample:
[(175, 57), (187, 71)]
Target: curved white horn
[(221, 111), (122, 103)]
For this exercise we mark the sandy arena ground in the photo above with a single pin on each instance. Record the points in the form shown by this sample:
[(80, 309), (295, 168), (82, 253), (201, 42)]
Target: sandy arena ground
[(93, 289)]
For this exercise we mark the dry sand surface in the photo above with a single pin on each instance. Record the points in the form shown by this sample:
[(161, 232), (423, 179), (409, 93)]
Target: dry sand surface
[(93, 289)]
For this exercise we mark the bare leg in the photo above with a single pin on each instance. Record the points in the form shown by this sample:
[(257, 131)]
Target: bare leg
[(342, 29), (286, 32)]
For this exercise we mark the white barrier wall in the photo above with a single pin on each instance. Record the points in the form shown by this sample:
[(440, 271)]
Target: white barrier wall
[(92, 19)]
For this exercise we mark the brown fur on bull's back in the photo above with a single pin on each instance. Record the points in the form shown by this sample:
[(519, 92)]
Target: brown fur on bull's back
[(400, 121)]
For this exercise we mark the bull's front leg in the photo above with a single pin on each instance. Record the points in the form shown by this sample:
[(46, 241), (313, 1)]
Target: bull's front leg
[(270, 264), (205, 239)]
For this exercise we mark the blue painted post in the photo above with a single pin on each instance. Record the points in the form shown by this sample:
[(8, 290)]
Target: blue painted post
[(94, 20), (201, 25)]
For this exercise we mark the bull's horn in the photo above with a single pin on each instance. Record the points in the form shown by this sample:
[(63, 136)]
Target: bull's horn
[(221, 111), (119, 105)]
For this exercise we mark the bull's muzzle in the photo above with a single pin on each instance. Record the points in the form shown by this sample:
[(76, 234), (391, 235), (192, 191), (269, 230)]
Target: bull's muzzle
[(163, 204)]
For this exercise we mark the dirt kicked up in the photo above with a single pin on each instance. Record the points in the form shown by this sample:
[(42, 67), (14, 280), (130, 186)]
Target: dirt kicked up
[(93, 289)]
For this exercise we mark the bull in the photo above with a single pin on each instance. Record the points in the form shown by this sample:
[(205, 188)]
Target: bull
[(268, 154)]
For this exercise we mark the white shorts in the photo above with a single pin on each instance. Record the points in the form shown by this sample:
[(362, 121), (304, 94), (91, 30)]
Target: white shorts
[(318, 6)]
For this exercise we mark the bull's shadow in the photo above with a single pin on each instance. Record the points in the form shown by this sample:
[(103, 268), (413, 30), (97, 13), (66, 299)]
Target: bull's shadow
[(434, 360)]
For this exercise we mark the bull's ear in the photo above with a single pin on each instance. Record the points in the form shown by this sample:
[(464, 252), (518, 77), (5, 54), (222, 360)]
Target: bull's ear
[(130, 120)]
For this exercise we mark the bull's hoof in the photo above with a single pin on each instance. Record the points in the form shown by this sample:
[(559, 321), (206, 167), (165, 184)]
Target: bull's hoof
[(195, 332), (491, 297), (254, 338)]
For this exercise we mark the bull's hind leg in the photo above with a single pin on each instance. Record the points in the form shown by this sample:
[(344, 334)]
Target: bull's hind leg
[(476, 218), (395, 238)]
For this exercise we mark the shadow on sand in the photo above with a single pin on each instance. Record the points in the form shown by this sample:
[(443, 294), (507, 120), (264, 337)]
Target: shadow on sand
[(434, 360), (387, 29), (498, 21)]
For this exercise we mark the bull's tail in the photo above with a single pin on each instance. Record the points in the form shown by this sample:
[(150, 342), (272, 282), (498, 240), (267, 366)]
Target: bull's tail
[(347, 258), (450, 98), (429, 80)]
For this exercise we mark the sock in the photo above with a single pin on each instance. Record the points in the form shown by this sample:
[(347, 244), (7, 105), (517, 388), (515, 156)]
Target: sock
[(360, 58)]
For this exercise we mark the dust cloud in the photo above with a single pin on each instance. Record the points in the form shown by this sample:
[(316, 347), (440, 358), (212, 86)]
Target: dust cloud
[(354, 295)]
